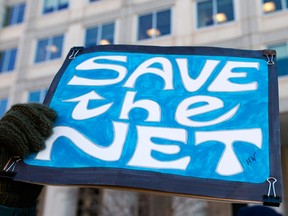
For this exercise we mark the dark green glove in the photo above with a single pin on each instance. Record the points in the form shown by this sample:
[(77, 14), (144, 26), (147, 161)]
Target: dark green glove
[(23, 129)]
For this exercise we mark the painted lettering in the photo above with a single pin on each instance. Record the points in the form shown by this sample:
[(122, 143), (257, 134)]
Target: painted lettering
[(222, 82), (147, 68), (153, 108), (229, 163), (183, 113), (142, 156), (92, 65)]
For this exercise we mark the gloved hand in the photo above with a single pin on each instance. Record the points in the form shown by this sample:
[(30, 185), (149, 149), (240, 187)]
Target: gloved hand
[(23, 130)]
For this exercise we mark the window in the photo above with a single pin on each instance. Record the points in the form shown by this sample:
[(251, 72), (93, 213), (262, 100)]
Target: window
[(14, 14), (3, 106), (214, 12), (7, 60), (100, 35), (37, 96), (270, 6), (51, 6), (282, 57), (154, 25), (49, 49), (94, 0)]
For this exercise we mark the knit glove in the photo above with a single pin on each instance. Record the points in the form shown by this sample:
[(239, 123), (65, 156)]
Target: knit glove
[(23, 130)]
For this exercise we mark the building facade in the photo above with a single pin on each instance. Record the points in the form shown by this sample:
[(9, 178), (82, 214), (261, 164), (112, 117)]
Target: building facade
[(35, 37)]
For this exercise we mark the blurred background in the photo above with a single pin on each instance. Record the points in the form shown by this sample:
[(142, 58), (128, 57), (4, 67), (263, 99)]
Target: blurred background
[(36, 35)]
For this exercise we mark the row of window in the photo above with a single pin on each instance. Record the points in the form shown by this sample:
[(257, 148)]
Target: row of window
[(51, 48), (209, 12)]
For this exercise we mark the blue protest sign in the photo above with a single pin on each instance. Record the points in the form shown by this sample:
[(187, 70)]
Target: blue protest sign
[(184, 114)]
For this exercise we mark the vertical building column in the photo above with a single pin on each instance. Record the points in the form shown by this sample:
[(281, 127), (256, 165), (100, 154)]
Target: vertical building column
[(73, 37), (183, 22), (154, 205), (120, 203), (190, 206), (126, 24), (60, 201), (247, 13)]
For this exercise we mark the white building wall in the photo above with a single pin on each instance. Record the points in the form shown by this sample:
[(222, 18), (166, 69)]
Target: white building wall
[(60, 201)]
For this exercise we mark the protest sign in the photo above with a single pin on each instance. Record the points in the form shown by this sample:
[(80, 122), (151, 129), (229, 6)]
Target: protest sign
[(194, 121)]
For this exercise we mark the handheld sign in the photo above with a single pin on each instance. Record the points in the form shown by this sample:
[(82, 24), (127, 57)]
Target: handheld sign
[(195, 121)]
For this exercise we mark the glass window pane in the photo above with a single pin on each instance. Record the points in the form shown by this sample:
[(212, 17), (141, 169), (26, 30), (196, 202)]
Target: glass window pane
[(37, 96), (282, 66), (21, 12), (91, 36), (49, 6), (282, 58), (3, 106), (54, 5), (34, 96), (43, 95), (145, 27), (8, 16), (62, 4), (2, 57), (107, 34), (14, 14), (55, 48), (286, 3), (281, 50), (12, 59), (270, 6), (7, 60), (164, 22), (204, 13), (41, 52), (225, 11)]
